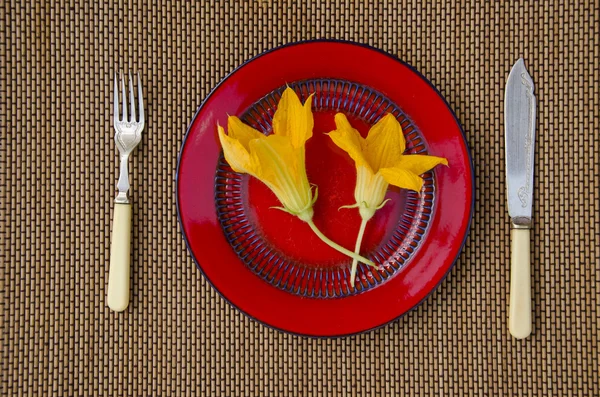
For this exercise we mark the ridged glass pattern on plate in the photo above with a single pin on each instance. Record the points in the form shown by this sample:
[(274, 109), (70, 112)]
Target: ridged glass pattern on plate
[(303, 279)]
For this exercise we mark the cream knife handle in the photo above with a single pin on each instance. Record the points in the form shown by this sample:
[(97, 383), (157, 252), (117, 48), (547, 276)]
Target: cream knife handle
[(117, 295), (519, 318)]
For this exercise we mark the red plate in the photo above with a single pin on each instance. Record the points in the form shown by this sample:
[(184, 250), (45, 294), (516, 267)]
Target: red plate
[(269, 264)]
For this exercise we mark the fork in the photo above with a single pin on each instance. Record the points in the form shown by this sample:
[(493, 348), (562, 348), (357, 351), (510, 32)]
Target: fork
[(128, 134)]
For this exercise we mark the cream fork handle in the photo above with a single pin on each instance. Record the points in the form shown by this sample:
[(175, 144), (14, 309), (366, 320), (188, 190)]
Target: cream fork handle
[(117, 295)]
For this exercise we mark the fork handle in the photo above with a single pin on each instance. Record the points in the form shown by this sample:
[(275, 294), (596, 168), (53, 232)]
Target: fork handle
[(117, 295)]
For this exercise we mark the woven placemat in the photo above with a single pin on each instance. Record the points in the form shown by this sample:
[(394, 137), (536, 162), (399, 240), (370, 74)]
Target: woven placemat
[(178, 337)]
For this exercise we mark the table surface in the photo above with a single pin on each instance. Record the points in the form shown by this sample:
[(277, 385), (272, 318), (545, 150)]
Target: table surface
[(178, 337)]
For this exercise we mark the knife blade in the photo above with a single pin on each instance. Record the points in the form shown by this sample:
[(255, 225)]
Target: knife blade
[(519, 124)]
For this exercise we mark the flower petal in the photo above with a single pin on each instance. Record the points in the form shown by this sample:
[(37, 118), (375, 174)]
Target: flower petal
[(385, 143), (402, 178), (419, 163), (281, 167), (235, 153), (349, 140), (242, 132), (293, 119)]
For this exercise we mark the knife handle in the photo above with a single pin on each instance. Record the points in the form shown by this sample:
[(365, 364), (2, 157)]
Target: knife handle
[(519, 317), (117, 294)]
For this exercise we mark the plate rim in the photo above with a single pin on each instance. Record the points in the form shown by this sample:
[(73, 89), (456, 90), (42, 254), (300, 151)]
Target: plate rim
[(396, 59)]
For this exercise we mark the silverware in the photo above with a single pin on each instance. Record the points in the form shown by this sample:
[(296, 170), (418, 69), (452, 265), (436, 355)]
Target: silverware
[(128, 134), (519, 122)]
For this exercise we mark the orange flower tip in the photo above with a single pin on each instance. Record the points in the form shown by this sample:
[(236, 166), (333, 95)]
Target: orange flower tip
[(388, 116), (340, 116)]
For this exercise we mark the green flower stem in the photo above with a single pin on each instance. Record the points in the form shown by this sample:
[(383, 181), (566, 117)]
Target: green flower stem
[(361, 233), (335, 246)]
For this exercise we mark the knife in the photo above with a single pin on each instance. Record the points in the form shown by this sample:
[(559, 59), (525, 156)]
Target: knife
[(519, 124)]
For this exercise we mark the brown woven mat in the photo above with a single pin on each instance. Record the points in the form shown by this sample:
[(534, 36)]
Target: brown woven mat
[(58, 168)]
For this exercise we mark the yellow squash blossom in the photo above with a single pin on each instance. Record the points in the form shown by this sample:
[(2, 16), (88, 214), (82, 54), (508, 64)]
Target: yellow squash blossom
[(278, 160), (379, 162)]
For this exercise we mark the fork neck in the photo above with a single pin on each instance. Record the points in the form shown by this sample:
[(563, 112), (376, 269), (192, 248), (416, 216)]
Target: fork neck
[(123, 183)]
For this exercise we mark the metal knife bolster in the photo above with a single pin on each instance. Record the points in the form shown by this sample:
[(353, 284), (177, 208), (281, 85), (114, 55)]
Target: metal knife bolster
[(521, 222)]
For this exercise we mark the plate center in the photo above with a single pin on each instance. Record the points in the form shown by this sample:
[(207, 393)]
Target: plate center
[(282, 249)]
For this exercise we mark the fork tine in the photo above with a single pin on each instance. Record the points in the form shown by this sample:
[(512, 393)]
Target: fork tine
[(140, 99), (131, 100), (124, 97), (116, 100)]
